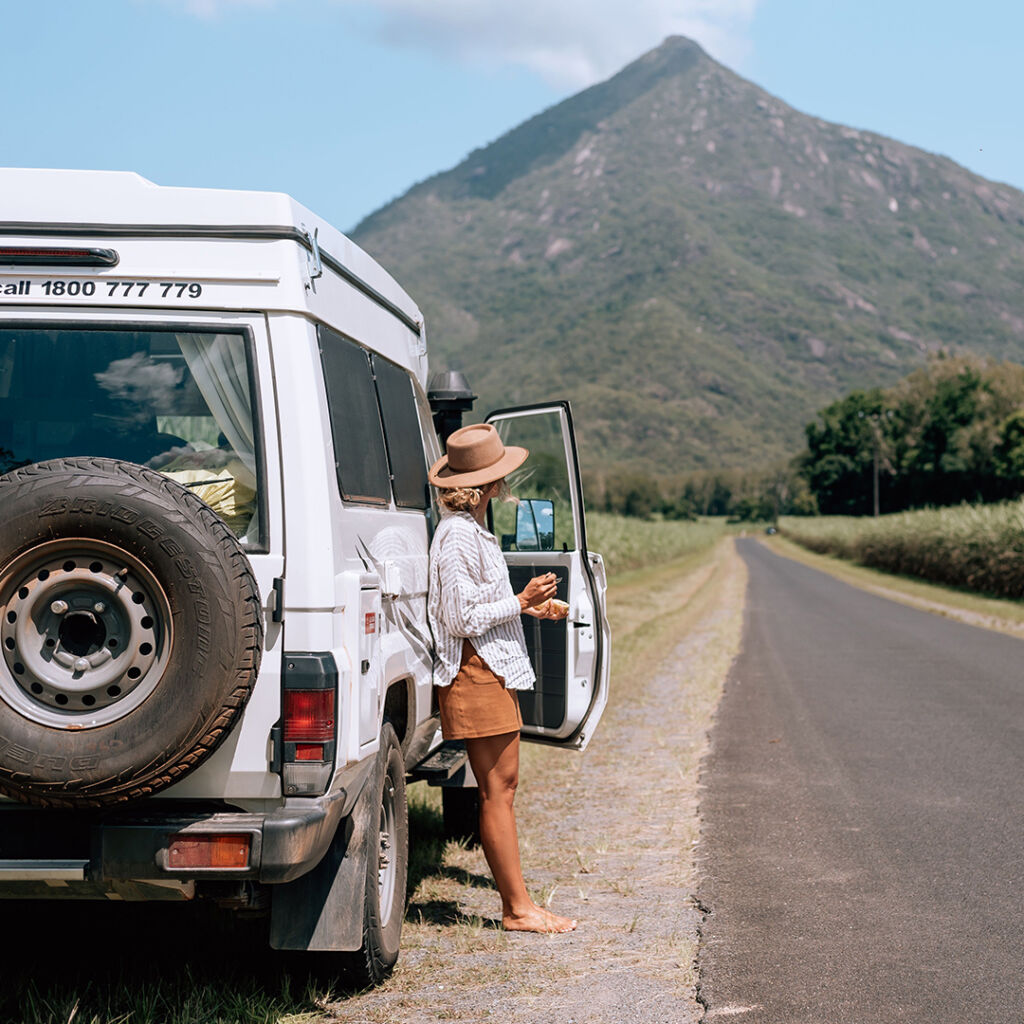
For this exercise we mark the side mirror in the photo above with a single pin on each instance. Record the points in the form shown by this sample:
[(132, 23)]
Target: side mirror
[(535, 525)]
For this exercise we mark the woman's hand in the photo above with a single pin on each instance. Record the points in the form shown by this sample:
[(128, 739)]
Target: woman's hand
[(538, 590), (552, 609)]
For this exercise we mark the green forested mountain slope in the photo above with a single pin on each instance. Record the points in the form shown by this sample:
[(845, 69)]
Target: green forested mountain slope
[(698, 266)]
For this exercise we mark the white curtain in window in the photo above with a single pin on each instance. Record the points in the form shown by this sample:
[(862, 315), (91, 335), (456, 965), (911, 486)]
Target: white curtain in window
[(219, 367)]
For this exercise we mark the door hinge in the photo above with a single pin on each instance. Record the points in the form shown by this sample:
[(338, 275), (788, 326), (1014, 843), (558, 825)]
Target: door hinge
[(276, 747), (315, 267)]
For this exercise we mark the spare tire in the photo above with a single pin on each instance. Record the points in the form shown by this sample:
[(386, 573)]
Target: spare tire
[(130, 632)]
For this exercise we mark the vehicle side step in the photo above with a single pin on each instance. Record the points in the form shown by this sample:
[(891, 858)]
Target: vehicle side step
[(442, 764), (43, 870)]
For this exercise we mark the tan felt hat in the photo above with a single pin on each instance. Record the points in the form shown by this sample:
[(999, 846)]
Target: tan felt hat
[(475, 457)]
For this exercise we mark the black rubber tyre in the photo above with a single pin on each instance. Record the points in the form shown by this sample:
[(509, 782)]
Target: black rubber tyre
[(460, 809), (130, 632), (387, 866)]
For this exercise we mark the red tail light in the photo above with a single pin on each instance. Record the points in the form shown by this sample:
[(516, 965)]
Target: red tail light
[(308, 716), (306, 737), (54, 256)]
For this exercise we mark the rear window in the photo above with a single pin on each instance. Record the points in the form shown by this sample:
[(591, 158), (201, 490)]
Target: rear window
[(177, 402)]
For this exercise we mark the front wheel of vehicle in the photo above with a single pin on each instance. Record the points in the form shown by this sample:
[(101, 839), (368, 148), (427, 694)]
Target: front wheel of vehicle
[(386, 867)]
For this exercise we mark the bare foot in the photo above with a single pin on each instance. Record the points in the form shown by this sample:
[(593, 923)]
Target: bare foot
[(537, 919)]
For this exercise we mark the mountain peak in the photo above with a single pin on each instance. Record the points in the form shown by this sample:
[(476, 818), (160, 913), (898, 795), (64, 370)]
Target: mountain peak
[(548, 136), (676, 45)]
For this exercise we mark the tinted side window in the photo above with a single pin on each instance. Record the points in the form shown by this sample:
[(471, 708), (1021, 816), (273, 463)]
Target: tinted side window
[(359, 451), (402, 431)]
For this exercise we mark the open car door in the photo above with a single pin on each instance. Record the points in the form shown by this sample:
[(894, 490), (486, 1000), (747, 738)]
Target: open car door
[(546, 532)]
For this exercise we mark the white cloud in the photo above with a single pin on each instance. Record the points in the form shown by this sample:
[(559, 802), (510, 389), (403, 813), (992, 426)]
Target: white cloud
[(570, 43)]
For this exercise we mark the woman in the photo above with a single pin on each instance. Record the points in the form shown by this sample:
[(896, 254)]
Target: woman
[(481, 652)]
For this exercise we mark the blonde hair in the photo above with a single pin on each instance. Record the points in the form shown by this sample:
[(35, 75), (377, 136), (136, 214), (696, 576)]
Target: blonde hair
[(467, 499), (461, 499)]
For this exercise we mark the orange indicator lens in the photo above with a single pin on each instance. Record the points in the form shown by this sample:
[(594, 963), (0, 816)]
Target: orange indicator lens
[(208, 851)]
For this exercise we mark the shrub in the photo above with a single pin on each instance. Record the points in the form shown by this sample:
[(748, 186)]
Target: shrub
[(976, 547), (629, 543)]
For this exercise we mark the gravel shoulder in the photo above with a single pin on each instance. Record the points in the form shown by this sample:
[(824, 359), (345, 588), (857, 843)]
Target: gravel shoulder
[(608, 837)]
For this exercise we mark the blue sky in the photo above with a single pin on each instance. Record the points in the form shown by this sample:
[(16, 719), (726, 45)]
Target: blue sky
[(346, 103)]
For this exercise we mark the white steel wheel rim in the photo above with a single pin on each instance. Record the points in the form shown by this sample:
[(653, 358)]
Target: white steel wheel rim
[(85, 633), (387, 870)]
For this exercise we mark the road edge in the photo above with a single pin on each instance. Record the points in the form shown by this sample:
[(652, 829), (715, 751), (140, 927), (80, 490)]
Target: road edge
[(999, 616)]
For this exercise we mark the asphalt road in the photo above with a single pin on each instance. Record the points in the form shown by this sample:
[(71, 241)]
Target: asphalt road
[(863, 850)]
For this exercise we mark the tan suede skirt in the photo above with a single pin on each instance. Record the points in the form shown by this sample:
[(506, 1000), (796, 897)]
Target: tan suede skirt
[(477, 702)]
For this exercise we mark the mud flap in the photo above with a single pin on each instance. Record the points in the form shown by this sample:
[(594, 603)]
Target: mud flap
[(324, 909)]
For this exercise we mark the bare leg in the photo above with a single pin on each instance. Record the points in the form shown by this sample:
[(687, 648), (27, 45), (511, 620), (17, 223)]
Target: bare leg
[(495, 763)]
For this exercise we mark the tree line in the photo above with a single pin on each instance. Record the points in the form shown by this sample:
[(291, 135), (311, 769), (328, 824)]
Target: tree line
[(950, 432), (747, 495)]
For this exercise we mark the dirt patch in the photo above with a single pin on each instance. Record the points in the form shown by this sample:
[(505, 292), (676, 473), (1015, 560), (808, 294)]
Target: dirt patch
[(607, 837)]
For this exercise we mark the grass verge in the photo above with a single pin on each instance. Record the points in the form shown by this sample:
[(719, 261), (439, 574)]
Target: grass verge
[(106, 963), (974, 547), (628, 543)]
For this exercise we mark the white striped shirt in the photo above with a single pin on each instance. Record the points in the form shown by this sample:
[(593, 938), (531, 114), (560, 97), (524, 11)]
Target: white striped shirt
[(471, 597)]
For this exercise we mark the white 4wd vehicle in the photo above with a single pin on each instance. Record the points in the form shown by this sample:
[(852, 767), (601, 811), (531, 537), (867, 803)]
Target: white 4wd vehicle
[(215, 660)]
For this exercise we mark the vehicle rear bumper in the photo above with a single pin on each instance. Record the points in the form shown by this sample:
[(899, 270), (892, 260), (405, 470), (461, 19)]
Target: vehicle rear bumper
[(41, 847)]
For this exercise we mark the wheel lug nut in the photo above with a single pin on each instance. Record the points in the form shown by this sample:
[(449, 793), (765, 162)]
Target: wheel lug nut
[(81, 664), (59, 607), (99, 607)]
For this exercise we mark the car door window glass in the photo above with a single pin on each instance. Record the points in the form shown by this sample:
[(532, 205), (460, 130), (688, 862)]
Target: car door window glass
[(544, 475)]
